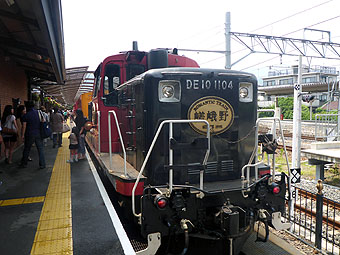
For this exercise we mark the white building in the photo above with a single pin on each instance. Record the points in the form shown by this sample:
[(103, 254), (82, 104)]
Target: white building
[(317, 80)]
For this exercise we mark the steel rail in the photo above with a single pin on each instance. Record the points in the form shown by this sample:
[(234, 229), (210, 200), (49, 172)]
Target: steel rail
[(312, 196), (328, 221)]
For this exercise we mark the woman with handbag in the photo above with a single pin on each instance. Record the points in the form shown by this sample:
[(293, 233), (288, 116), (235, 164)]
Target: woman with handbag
[(9, 132)]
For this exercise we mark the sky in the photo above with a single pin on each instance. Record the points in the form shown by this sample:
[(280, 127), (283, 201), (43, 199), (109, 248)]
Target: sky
[(95, 29)]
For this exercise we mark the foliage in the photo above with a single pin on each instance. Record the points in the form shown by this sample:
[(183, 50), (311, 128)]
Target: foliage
[(287, 105), (266, 114), (52, 102), (323, 111), (335, 169)]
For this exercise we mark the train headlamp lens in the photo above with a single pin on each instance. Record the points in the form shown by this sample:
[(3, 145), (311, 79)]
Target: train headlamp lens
[(244, 92), (168, 91)]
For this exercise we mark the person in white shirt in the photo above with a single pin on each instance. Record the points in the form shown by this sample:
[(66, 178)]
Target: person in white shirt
[(10, 132)]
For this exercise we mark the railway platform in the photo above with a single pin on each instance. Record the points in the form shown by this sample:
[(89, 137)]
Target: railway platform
[(322, 153), (62, 210), (56, 210)]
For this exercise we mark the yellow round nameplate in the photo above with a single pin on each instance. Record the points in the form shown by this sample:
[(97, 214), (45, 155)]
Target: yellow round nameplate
[(217, 111)]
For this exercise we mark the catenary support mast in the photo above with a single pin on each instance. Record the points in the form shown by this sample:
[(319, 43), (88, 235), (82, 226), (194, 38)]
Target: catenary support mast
[(227, 42)]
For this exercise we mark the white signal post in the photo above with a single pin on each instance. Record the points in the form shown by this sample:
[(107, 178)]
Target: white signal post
[(296, 146)]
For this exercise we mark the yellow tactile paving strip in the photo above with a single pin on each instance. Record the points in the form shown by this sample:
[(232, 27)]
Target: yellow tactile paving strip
[(54, 232), (20, 201)]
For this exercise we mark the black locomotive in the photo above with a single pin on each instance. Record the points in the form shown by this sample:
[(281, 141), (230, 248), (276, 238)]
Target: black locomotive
[(191, 136)]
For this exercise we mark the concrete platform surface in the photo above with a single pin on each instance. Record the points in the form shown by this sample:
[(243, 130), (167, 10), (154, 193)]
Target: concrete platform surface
[(56, 210)]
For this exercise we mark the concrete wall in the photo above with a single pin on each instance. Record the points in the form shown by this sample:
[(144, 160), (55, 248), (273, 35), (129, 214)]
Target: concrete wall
[(13, 84)]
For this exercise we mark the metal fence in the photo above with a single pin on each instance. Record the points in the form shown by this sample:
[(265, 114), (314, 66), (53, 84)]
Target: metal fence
[(327, 127), (316, 219)]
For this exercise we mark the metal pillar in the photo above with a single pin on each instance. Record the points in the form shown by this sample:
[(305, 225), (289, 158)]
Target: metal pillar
[(227, 42), (319, 205), (296, 146), (296, 162), (320, 172)]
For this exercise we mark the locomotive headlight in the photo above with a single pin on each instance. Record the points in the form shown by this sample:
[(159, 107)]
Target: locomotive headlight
[(169, 91), (246, 92)]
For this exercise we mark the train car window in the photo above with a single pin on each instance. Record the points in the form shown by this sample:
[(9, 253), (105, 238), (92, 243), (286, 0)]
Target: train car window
[(133, 70), (98, 79), (111, 78), (111, 82), (97, 82)]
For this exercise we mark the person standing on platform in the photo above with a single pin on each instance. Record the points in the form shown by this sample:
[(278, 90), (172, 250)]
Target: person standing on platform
[(21, 111), (73, 146), (47, 119), (10, 139), (80, 124), (30, 134), (56, 121)]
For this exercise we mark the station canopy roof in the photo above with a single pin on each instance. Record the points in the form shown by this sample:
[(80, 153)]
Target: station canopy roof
[(280, 90), (78, 81), (31, 34)]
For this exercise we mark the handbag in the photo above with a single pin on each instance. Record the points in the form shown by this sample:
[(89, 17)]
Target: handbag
[(66, 128), (45, 131), (8, 128)]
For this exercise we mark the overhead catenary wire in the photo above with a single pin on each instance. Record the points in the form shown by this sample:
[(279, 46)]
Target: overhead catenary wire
[(285, 18), (198, 33), (277, 21), (318, 23)]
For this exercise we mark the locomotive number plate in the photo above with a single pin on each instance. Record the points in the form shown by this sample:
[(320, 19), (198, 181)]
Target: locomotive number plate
[(217, 111)]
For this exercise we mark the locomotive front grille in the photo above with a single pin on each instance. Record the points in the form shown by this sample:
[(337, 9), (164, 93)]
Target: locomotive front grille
[(192, 170), (212, 167), (227, 166)]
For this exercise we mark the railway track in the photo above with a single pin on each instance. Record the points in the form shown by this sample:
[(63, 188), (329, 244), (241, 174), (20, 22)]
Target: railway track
[(329, 220), (312, 197)]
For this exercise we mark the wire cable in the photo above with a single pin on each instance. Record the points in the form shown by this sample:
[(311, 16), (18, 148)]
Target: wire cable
[(293, 15), (318, 23), (285, 18)]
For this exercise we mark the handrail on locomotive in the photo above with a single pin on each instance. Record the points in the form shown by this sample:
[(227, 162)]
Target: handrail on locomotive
[(170, 122), (120, 138), (246, 180)]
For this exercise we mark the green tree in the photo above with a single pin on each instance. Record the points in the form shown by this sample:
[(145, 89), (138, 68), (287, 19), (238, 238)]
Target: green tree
[(286, 104), (266, 114)]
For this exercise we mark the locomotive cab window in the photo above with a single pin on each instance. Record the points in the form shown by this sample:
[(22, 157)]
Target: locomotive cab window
[(97, 81), (111, 82)]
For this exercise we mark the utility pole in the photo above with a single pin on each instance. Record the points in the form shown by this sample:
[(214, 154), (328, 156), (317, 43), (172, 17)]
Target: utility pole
[(227, 41)]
